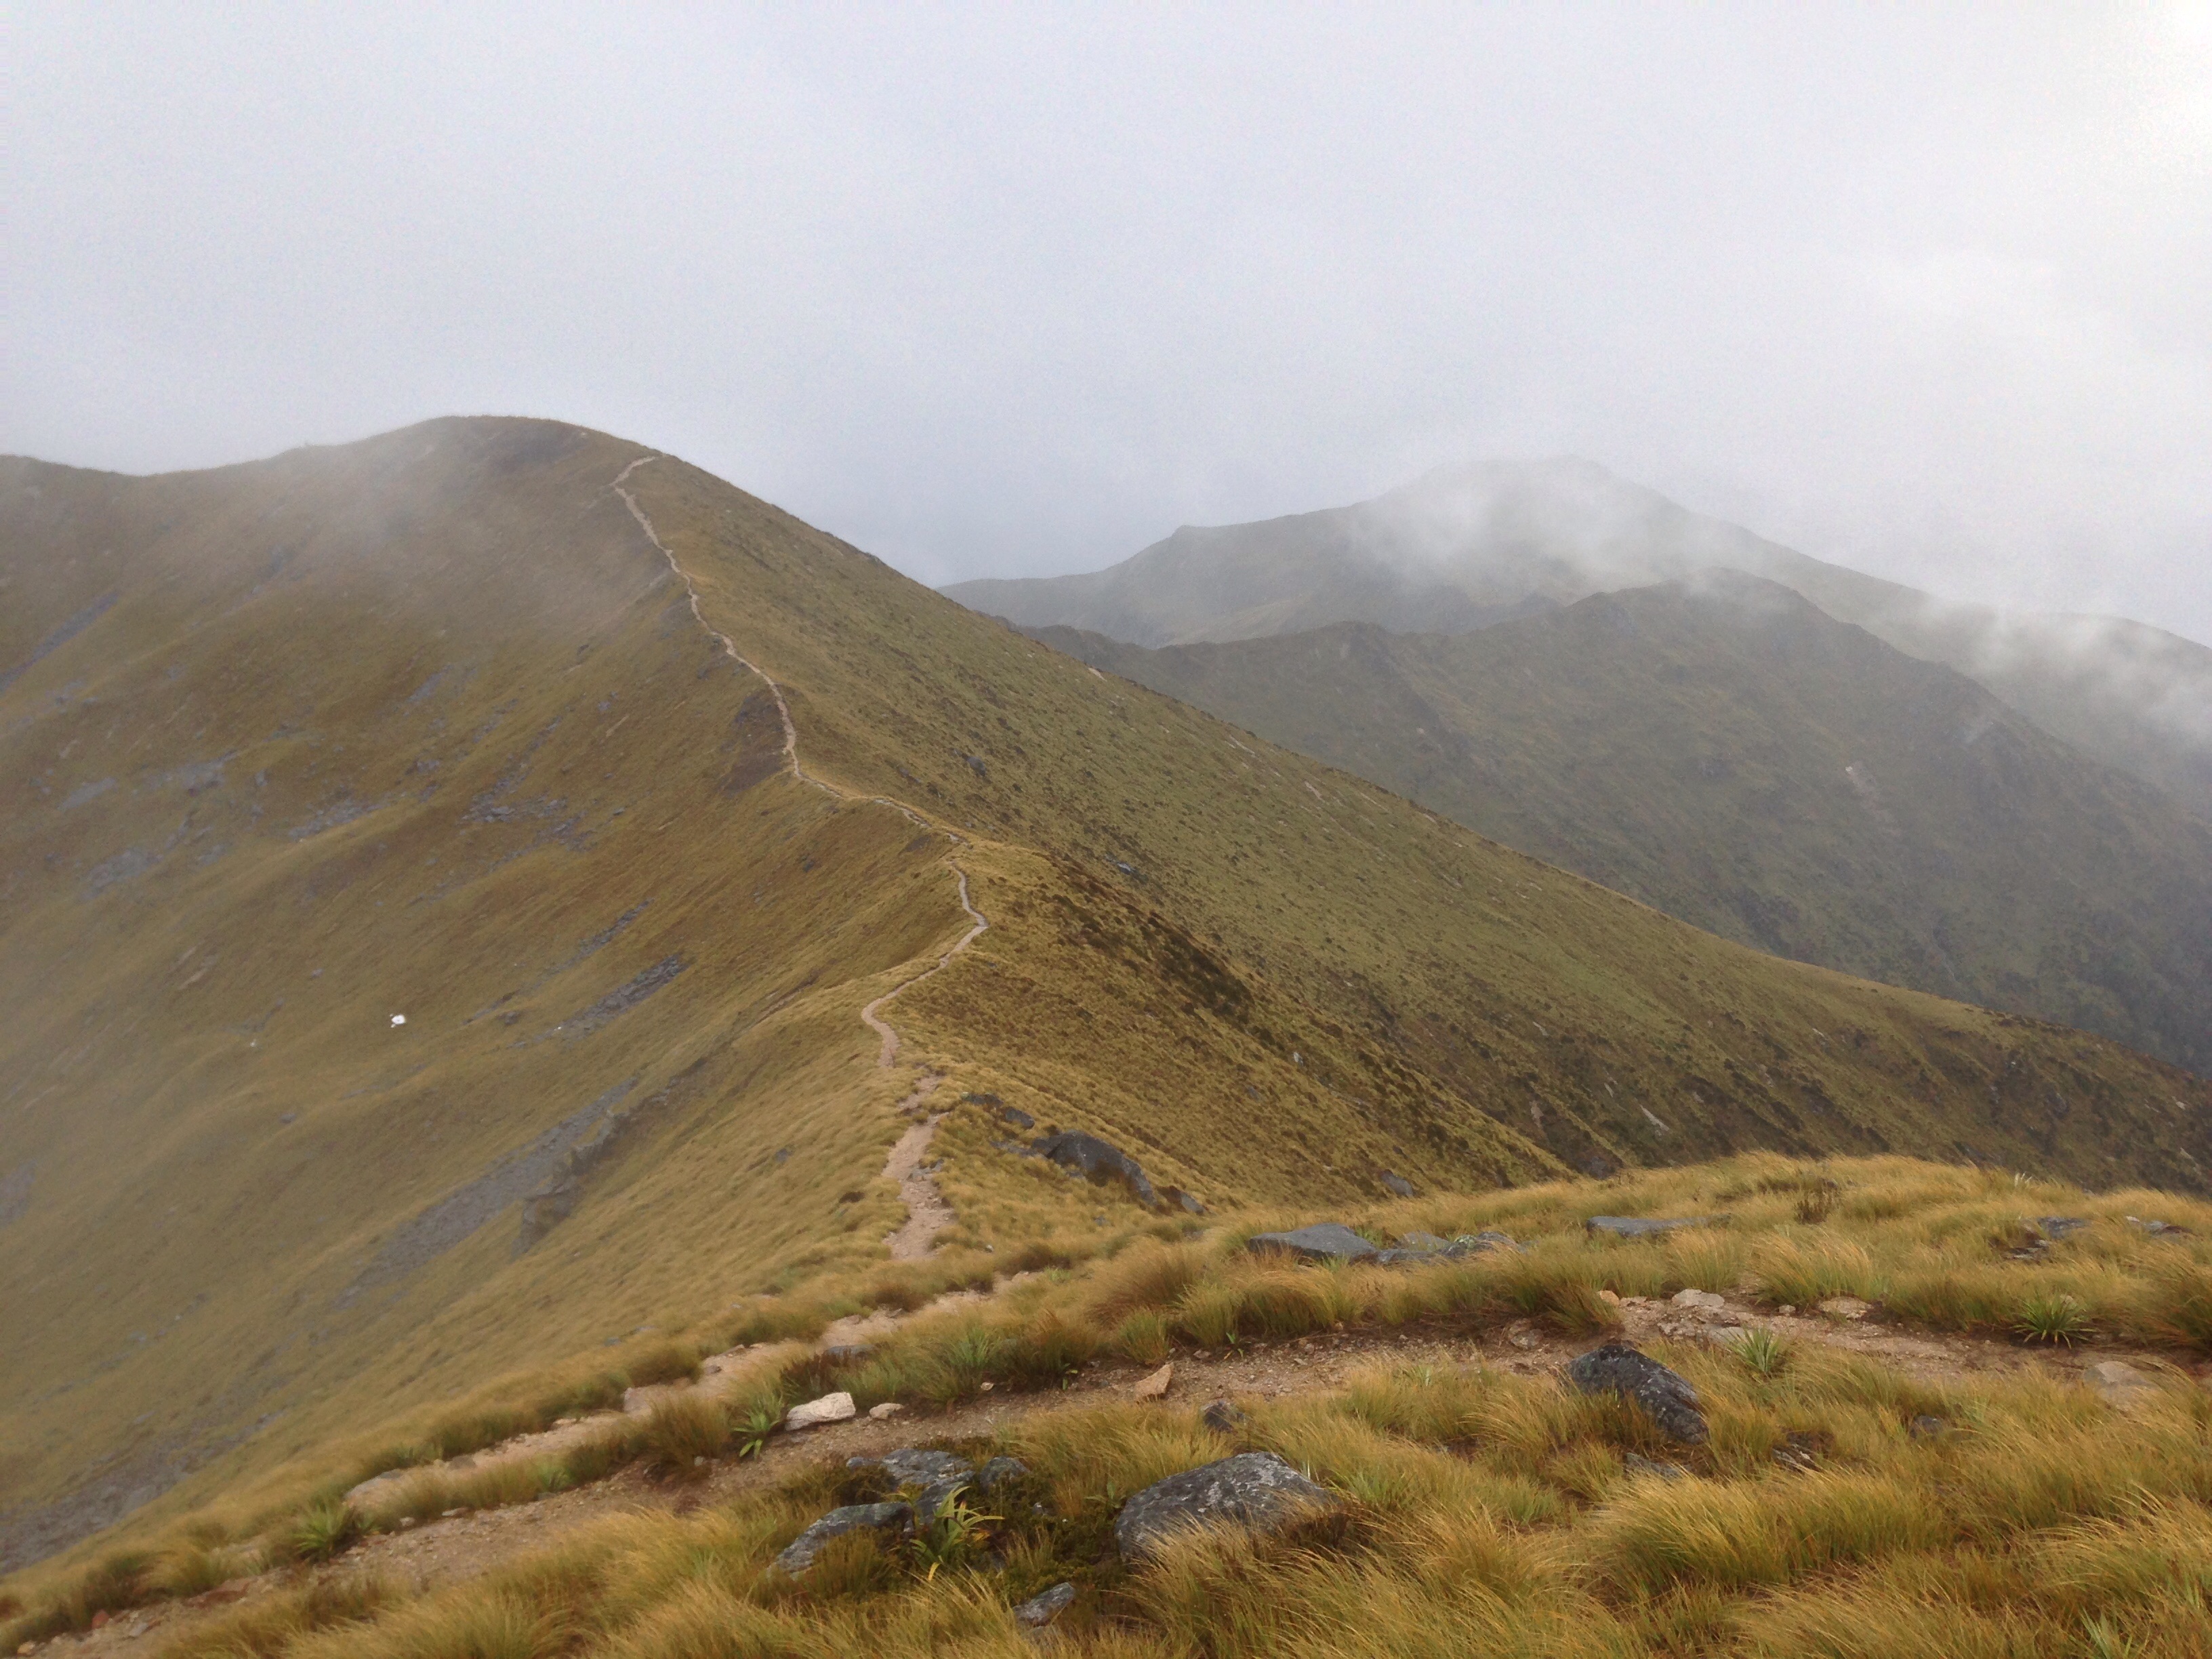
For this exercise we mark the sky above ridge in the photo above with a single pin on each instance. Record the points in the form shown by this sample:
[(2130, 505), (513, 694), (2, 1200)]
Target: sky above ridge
[(1001, 291)]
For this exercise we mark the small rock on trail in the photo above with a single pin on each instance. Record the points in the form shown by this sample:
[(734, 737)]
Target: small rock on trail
[(1257, 1491), (829, 1408)]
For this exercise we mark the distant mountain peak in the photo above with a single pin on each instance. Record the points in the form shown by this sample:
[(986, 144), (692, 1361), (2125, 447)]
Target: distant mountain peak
[(1471, 543)]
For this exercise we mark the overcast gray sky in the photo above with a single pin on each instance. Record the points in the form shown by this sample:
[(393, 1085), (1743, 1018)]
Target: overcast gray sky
[(998, 291)]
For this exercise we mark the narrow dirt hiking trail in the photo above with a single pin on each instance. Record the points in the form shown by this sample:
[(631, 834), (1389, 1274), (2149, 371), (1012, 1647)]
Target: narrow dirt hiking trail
[(870, 1015), (928, 1213)]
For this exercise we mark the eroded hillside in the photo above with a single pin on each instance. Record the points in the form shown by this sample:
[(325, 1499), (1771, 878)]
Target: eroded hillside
[(427, 729)]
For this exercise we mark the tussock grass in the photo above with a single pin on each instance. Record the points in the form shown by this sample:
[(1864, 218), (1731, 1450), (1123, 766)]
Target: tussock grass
[(278, 1624), (1803, 1273), (324, 1529), (681, 1431), (1481, 1511), (1482, 1507), (192, 1567)]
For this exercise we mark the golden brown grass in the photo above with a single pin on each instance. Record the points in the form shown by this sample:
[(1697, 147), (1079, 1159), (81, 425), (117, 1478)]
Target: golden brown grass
[(1482, 1512), (1176, 913), (1520, 1488)]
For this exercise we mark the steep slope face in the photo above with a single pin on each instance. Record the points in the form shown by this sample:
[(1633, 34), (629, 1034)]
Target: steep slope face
[(450, 726), (1468, 546), (1727, 752), (420, 730)]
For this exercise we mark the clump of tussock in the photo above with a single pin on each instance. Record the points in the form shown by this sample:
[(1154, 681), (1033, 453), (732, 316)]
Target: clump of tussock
[(684, 1431)]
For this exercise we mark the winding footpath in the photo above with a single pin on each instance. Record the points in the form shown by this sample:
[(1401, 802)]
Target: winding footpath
[(927, 1212)]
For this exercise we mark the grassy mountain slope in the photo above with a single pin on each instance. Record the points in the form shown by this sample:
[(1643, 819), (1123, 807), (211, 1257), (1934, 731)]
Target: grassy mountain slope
[(426, 726), (1468, 546), (1727, 752)]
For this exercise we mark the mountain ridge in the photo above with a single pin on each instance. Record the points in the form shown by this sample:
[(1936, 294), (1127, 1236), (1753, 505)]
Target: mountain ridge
[(1465, 546), (425, 727)]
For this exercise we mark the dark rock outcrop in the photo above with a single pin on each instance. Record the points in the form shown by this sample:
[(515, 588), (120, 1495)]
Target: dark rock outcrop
[(1410, 1253), (1256, 1490), (1222, 1417), (1628, 1226), (999, 1469), (912, 1466), (1325, 1241), (1045, 1605), (935, 1476), (803, 1551), (1667, 1399), (1099, 1161)]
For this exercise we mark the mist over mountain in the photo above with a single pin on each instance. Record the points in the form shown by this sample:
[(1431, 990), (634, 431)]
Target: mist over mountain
[(464, 893), (1723, 749), (1470, 545)]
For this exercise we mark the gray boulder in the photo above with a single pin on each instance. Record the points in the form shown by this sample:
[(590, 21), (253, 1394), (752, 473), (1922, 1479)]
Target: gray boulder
[(1396, 1183), (912, 1466), (1097, 1160), (1256, 1490), (935, 1476), (1667, 1399), (998, 1469), (1045, 1605), (1421, 1241), (1325, 1241), (803, 1551), (2158, 1229), (1628, 1226), (1455, 1249), (935, 1495)]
